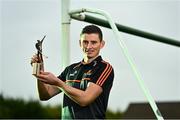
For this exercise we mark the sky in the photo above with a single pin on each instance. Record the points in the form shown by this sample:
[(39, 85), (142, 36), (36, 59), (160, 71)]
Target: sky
[(25, 21)]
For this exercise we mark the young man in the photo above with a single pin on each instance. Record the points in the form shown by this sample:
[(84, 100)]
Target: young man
[(86, 85)]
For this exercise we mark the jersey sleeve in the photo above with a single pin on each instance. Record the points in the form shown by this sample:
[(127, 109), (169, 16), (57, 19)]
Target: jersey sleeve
[(63, 75), (103, 75)]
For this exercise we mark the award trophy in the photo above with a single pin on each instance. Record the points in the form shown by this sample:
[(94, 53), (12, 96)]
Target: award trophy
[(39, 64)]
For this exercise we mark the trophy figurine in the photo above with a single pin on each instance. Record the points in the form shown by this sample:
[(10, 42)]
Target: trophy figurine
[(39, 64)]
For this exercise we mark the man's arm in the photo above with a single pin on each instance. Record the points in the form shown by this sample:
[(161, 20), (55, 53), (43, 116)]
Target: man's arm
[(46, 91), (83, 98)]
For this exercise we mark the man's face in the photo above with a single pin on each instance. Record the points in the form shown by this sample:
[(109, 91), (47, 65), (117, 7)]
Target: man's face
[(91, 44)]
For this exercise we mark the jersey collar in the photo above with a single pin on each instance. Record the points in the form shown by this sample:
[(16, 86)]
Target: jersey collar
[(93, 63)]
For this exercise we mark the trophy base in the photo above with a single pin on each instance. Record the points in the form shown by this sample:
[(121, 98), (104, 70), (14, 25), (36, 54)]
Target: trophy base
[(36, 68)]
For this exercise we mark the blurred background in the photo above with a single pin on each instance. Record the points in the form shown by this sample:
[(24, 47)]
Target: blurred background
[(25, 21)]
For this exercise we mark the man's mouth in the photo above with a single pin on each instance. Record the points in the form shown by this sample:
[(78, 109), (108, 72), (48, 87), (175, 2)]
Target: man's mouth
[(89, 51)]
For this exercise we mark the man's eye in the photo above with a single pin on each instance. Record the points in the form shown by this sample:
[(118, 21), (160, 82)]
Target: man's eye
[(94, 42), (85, 42)]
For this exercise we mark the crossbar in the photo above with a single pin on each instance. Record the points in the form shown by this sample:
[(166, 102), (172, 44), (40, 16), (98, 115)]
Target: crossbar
[(104, 23)]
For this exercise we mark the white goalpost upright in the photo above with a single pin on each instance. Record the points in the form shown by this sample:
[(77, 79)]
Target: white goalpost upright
[(65, 33)]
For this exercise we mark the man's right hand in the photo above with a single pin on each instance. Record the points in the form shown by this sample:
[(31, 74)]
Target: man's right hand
[(34, 59)]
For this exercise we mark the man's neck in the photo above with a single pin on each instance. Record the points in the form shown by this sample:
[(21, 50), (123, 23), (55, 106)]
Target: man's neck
[(89, 60)]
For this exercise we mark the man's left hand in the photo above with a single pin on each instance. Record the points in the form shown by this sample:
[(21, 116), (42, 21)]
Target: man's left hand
[(48, 78)]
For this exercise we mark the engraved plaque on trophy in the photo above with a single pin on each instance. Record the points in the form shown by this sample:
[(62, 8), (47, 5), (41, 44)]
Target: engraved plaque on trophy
[(39, 64)]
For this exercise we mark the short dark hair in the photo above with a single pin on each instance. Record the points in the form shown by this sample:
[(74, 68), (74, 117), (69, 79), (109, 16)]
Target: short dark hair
[(92, 29)]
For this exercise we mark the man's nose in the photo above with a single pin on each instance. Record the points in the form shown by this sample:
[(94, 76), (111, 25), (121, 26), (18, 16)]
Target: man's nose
[(89, 45)]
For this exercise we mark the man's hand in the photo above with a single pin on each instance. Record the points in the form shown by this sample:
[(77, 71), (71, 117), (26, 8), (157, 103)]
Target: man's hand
[(38, 66), (34, 59), (48, 78)]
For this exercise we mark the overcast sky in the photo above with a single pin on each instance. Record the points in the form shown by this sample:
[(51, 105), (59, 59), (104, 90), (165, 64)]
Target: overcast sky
[(24, 21)]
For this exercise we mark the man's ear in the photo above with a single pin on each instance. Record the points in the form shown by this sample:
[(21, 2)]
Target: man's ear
[(102, 43)]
